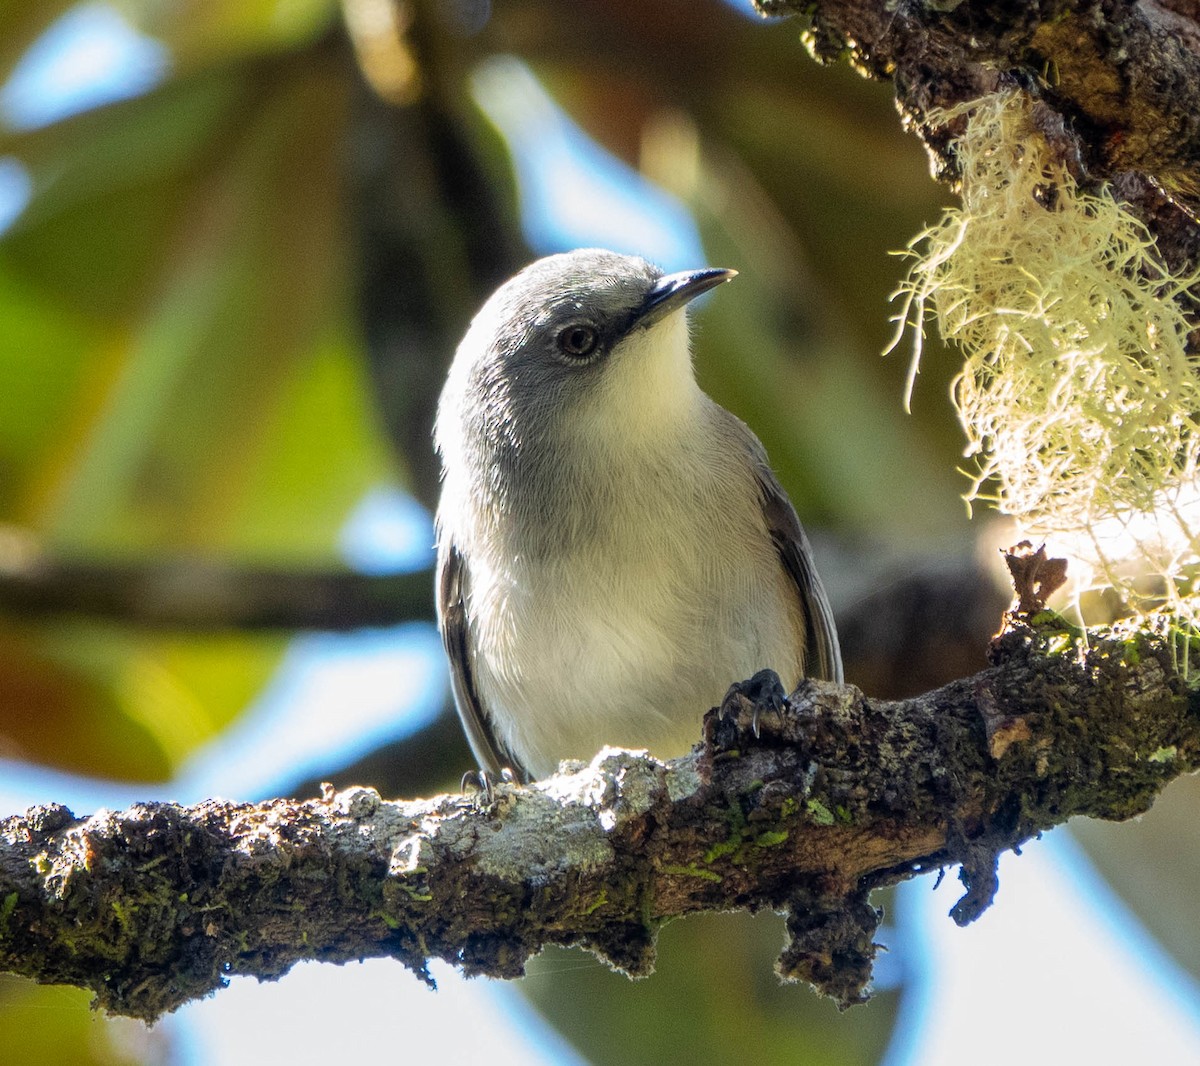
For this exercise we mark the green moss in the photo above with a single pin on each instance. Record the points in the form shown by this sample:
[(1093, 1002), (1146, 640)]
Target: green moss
[(719, 851), (734, 844), (1059, 643), (123, 912), (771, 839), (1052, 621), (601, 900), (819, 813), (7, 906), (692, 871)]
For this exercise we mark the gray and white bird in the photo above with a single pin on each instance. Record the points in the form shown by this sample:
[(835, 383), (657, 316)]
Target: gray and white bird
[(613, 549)]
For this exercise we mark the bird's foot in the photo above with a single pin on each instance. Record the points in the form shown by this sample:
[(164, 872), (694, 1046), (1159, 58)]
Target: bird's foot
[(483, 783), (762, 693)]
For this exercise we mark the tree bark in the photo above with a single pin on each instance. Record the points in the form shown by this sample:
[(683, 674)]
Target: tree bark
[(161, 904), (1117, 83)]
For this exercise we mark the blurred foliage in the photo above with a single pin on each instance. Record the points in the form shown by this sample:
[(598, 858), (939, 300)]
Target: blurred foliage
[(713, 999), (96, 699), (181, 360), (1154, 863), (56, 1027), (226, 311)]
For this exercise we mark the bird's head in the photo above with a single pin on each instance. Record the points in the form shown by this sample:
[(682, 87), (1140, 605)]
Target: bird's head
[(588, 345)]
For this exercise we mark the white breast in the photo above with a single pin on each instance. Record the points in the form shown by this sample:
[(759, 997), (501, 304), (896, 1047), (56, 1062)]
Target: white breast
[(629, 636)]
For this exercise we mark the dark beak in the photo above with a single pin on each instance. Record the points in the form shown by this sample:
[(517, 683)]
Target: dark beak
[(672, 291)]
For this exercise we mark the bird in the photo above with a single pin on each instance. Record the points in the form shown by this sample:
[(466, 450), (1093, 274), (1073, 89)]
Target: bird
[(613, 549)]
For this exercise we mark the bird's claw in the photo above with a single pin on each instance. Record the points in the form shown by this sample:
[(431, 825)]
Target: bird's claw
[(485, 783), (763, 692)]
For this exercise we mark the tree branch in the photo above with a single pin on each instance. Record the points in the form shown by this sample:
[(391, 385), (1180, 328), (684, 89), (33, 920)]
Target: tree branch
[(1118, 84), (160, 904), (206, 594)]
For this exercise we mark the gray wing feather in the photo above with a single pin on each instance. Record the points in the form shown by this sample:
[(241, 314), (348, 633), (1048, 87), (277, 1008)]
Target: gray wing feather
[(822, 653), (492, 757)]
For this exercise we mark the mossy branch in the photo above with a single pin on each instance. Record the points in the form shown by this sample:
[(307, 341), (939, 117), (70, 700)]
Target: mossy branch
[(161, 904)]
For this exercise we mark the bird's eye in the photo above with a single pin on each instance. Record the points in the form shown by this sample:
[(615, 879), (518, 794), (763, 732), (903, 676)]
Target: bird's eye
[(578, 341)]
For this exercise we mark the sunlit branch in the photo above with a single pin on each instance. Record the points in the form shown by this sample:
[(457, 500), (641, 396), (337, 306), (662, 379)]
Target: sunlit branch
[(161, 904)]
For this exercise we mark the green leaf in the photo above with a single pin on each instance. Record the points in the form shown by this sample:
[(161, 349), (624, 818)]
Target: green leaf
[(62, 710), (179, 410), (127, 145), (201, 33), (43, 352), (96, 699), (322, 452)]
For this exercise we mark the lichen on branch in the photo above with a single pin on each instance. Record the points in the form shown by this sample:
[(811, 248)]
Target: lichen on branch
[(1079, 391)]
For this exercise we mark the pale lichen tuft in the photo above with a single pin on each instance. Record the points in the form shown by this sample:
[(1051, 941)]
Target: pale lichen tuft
[(1079, 395)]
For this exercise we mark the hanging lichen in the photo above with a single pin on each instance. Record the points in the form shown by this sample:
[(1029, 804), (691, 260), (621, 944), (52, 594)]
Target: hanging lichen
[(1078, 395)]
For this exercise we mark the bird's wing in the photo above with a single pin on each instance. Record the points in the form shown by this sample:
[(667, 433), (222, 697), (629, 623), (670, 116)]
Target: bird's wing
[(492, 757), (822, 654)]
